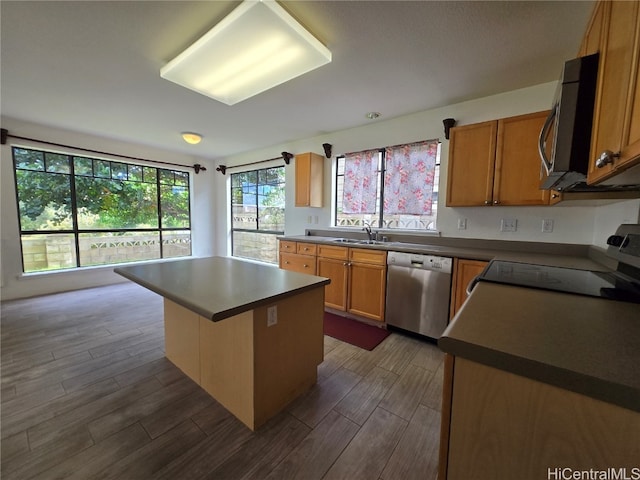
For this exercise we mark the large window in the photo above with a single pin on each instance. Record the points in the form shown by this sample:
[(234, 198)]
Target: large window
[(257, 212), (390, 188), (77, 211)]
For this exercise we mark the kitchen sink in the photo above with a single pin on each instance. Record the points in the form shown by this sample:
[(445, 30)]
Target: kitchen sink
[(358, 242)]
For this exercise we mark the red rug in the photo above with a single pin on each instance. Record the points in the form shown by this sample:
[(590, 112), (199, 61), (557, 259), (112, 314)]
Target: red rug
[(353, 332)]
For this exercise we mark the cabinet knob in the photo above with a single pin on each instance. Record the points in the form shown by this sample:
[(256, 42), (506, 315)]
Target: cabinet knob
[(345, 264), (606, 158), (487, 202), (496, 202), (286, 263), (555, 195), (306, 266)]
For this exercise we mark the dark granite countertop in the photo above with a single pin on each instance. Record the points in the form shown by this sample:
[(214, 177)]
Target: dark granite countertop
[(583, 344), (561, 255), (220, 287)]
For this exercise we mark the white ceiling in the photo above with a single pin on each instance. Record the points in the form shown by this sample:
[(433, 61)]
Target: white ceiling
[(93, 66)]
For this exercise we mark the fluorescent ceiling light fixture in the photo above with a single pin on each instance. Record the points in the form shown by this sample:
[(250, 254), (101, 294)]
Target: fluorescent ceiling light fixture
[(256, 47)]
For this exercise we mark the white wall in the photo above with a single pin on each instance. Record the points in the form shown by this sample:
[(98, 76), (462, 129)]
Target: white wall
[(574, 224), (17, 285), (211, 216), (608, 217)]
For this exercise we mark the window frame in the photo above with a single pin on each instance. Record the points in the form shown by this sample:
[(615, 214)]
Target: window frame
[(76, 231), (379, 215), (258, 230)]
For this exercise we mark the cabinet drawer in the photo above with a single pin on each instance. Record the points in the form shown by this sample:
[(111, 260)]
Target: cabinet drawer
[(306, 248), (361, 255), (298, 263), (329, 251), (287, 246)]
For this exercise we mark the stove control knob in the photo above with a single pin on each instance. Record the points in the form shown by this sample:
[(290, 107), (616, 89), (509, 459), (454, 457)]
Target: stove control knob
[(615, 240)]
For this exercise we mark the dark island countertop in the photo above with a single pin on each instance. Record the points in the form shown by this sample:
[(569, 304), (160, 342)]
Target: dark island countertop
[(220, 287), (582, 344)]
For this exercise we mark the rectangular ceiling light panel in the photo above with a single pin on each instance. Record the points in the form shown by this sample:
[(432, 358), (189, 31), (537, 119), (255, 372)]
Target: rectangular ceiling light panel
[(256, 47)]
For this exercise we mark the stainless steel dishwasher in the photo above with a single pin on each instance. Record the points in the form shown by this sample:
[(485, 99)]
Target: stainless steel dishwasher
[(418, 292)]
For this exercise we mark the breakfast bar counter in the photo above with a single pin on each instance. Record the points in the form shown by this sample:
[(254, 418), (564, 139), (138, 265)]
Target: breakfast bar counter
[(251, 335)]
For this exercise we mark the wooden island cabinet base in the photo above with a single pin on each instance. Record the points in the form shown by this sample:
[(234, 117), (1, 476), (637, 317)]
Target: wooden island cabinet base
[(250, 367)]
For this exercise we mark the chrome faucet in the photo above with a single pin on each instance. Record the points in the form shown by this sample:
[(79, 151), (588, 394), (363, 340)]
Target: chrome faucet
[(367, 229)]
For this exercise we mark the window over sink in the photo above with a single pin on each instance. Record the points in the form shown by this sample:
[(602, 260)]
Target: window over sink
[(393, 188)]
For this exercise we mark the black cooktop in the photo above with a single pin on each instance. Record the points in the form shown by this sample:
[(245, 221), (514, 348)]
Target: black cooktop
[(610, 285)]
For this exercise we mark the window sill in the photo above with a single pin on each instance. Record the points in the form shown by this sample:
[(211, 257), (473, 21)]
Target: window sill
[(93, 268)]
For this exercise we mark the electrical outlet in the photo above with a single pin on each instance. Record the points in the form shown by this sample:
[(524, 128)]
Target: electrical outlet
[(309, 219), (547, 225), (462, 224), (509, 225), (272, 315)]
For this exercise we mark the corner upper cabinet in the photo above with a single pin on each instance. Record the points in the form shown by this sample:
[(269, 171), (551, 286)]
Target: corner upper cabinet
[(614, 31), (309, 179), (496, 163)]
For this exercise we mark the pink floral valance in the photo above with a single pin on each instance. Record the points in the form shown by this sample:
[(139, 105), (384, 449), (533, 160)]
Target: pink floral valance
[(408, 179), (360, 188)]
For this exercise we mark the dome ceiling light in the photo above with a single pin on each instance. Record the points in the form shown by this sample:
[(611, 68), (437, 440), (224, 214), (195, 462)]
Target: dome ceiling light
[(192, 138)]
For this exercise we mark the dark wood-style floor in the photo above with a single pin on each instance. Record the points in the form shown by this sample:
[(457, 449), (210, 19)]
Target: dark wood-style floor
[(88, 393)]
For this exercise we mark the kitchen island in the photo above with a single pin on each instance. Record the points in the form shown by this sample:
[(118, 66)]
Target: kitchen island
[(250, 335)]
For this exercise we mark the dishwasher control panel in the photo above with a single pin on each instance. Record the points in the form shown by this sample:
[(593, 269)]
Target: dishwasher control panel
[(416, 260)]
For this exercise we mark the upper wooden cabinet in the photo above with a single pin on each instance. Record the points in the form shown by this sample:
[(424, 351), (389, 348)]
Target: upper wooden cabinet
[(309, 180), (614, 31), (496, 163)]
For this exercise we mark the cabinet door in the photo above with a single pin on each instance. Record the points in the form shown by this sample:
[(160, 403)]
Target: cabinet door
[(287, 246), (616, 72), (593, 35), (630, 154), (464, 271), (335, 294), (298, 263), (309, 179), (306, 248), (517, 169), (367, 285), (472, 151)]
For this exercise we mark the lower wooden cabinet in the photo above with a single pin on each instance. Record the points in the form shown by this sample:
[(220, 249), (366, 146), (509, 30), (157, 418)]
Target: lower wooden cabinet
[(358, 280), (335, 294), (463, 272), (298, 263), (367, 290), (501, 425), (298, 257), (367, 283)]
